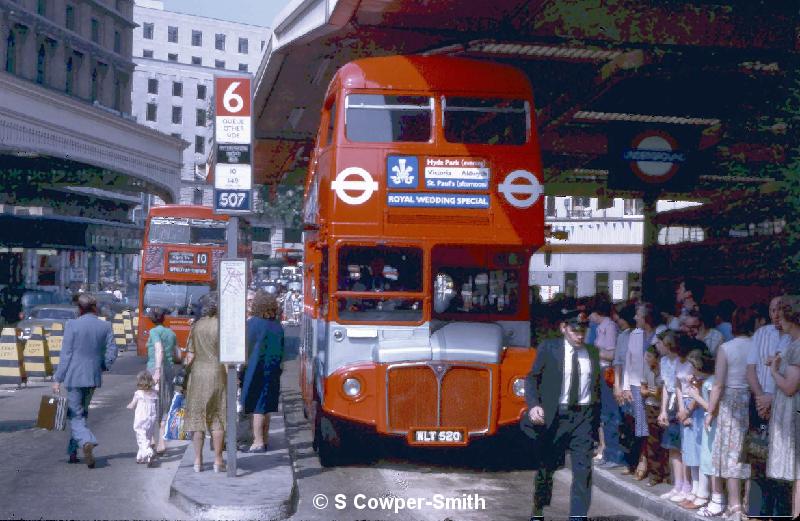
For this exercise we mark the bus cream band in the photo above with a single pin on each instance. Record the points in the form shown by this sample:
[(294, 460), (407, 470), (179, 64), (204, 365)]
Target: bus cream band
[(365, 184), (529, 191), (233, 177)]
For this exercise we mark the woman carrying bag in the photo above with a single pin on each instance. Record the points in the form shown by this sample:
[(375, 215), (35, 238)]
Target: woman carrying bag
[(161, 342)]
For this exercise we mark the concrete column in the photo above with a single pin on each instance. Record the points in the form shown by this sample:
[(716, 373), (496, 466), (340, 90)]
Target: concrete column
[(26, 55), (57, 67)]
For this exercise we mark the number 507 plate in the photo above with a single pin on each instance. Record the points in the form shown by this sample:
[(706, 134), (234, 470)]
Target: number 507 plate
[(437, 436)]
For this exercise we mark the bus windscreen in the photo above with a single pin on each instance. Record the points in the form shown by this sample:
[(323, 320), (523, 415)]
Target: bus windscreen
[(485, 121), (179, 299), (186, 231), (375, 118)]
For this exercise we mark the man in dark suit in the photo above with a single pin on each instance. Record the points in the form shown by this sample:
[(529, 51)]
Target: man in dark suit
[(564, 412), (87, 350)]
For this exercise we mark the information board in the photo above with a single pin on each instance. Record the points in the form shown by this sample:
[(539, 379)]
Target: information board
[(234, 141), (232, 310)]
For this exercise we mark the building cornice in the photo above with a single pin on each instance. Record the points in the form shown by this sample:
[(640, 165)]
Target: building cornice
[(43, 26), (113, 12), (39, 121)]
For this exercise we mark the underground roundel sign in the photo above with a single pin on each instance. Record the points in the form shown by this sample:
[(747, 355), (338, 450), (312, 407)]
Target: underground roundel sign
[(653, 156), (354, 185), (521, 189)]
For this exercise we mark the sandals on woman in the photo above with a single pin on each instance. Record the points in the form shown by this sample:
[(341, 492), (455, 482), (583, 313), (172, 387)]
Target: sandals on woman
[(734, 514), (706, 511)]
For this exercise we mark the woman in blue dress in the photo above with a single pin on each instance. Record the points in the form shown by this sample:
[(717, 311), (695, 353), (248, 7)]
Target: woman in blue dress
[(262, 378)]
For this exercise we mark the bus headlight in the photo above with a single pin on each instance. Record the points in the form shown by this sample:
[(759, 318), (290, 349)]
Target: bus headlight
[(518, 387), (351, 387), (338, 335)]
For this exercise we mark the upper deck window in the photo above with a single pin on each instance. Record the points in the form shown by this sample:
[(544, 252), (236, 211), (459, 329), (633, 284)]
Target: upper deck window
[(170, 230), (375, 118), (486, 121)]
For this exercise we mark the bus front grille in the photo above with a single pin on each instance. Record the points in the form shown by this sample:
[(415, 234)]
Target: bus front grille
[(438, 395)]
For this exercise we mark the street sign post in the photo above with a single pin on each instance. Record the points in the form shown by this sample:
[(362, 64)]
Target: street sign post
[(233, 184)]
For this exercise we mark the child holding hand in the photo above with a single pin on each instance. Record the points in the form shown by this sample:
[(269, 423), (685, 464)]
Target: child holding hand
[(145, 417)]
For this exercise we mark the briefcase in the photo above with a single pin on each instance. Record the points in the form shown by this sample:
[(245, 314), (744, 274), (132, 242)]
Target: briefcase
[(52, 413)]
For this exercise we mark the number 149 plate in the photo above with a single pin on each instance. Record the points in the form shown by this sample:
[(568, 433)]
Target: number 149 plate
[(437, 436)]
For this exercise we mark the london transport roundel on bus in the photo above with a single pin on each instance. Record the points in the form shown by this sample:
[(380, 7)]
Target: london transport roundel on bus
[(364, 184), (521, 189), (654, 156)]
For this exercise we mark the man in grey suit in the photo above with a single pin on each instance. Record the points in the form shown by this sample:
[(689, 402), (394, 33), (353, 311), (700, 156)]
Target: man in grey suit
[(87, 350)]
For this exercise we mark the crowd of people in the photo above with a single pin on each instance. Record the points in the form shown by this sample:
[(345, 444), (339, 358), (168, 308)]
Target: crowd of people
[(703, 397)]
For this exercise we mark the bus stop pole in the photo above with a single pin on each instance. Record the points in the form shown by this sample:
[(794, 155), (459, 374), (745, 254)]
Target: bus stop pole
[(232, 381)]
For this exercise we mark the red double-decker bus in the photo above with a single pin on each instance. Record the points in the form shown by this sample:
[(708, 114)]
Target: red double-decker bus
[(423, 206), (181, 251)]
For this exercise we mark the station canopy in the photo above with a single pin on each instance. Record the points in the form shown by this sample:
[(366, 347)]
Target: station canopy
[(719, 69)]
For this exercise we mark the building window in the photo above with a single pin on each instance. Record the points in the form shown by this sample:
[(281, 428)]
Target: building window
[(152, 110), (550, 206), (634, 207), (70, 79), (176, 135), (152, 86), (197, 60), (601, 283), (172, 57), (11, 53), (201, 92), (172, 34), (243, 45), (41, 7), (200, 118), (95, 91), (95, 30), (147, 31), (177, 115), (197, 38), (219, 64), (177, 88), (262, 44), (242, 67), (571, 284), (219, 42), (147, 53), (117, 102), (41, 65), (70, 18), (200, 145), (198, 196), (117, 42)]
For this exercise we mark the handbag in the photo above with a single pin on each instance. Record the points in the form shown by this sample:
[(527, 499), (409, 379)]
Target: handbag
[(756, 445), (52, 413), (608, 376), (174, 429)]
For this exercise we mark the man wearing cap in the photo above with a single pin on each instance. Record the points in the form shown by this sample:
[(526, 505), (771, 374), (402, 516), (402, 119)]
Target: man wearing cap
[(563, 395)]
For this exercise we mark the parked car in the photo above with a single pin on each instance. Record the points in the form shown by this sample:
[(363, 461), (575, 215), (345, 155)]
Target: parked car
[(45, 316)]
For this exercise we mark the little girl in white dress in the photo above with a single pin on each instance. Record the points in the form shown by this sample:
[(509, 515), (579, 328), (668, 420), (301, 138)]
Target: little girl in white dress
[(145, 418)]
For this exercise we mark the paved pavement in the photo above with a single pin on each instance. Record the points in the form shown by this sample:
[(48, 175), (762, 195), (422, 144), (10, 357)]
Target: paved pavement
[(36, 481)]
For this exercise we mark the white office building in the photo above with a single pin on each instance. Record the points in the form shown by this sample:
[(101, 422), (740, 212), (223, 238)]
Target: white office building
[(602, 251), (177, 56)]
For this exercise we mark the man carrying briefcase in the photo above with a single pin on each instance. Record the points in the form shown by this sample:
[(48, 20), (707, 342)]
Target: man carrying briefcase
[(87, 349)]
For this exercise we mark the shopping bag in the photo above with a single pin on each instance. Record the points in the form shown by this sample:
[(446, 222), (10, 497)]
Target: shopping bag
[(174, 429), (52, 413)]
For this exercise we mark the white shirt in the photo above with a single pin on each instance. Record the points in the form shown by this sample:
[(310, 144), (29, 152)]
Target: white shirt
[(584, 393), (766, 342), (633, 372), (736, 353)]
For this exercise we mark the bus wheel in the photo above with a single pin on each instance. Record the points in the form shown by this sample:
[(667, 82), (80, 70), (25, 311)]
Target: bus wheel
[(327, 440)]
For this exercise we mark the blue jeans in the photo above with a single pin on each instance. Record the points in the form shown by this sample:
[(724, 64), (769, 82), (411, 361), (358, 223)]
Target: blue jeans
[(78, 399), (610, 417)]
